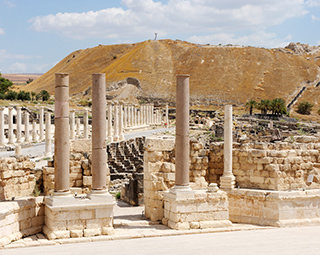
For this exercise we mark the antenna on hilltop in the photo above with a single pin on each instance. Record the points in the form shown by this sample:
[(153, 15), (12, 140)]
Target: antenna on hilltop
[(155, 36)]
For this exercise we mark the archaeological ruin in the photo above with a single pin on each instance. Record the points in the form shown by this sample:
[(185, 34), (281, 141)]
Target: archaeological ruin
[(202, 171)]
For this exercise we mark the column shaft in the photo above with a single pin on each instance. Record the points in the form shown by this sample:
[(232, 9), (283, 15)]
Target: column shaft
[(62, 133), (86, 125), (182, 131), (48, 135), (99, 155), (26, 128), (1, 126), (18, 124), (41, 123)]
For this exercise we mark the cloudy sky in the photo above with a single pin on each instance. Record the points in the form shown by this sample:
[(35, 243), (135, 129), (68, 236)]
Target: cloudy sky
[(36, 34)]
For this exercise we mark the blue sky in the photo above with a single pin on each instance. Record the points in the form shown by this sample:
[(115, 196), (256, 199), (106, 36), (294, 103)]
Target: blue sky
[(37, 34)]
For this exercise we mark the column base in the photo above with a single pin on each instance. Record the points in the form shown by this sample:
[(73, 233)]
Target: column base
[(227, 182), (67, 216)]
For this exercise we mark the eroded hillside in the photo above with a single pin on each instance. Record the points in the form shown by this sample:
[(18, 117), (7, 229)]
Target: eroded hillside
[(217, 74)]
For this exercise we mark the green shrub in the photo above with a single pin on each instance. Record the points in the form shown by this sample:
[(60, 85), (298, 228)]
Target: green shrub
[(304, 107)]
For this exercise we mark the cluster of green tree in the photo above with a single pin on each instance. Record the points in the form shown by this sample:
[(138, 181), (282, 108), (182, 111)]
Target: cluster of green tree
[(276, 106), (6, 93)]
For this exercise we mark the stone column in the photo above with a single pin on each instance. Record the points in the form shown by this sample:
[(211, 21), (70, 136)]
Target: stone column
[(116, 122), (135, 115), (78, 126), (62, 134), (139, 117), (227, 180), (110, 138), (152, 115), (167, 116), (99, 155), (121, 135), (182, 132), (1, 126), (125, 116), (34, 132), (10, 125), (41, 123), (86, 125), (26, 128), (18, 124), (72, 126), (48, 135)]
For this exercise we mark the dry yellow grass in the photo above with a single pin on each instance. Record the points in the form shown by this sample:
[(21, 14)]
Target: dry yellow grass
[(221, 74)]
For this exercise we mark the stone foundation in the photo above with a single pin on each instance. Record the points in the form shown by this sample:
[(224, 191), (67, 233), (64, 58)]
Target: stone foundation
[(20, 218), (275, 208), (194, 209), (70, 216)]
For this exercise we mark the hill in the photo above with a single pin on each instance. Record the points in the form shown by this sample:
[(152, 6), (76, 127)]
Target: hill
[(218, 74)]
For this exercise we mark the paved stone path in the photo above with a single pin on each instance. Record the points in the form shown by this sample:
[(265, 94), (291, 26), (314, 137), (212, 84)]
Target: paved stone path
[(280, 241)]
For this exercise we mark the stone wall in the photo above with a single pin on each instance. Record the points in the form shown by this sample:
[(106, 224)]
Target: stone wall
[(19, 218), (17, 177), (274, 166)]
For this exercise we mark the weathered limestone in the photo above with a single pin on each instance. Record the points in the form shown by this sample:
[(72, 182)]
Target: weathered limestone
[(227, 181), (121, 111), (61, 146), (78, 126), (99, 156), (72, 126), (41, 124), (26, 127), (10, 122), (48, 135), (1, 126), (34, 132), (110, 137), (116, 122), (167, 117), (86, 125), (18, 124), (182, 132)]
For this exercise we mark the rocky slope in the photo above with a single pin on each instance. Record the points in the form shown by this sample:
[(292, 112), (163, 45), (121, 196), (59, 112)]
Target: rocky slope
[(218, 74)]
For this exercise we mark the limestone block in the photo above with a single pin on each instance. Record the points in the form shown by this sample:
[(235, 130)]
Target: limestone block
[(103, 213), (76, 233), (37, 221), (168, 167), (178, 225), (107, 230), (194, 225), (257, 153), (265, 160), (87, 180), (153, 156), (158, 144), (152, 167), (76, 224)]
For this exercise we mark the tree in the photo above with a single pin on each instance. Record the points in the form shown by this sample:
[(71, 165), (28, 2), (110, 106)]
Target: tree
[(22, 95), (43, 95), (5, 84), (29, 81), (33, 94), (264, 106), (11, 95), (250, 105), (304, 107), (278, 106)]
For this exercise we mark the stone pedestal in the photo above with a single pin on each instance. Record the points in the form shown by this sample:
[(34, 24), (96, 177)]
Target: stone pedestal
[(69, 216), (195, 209)]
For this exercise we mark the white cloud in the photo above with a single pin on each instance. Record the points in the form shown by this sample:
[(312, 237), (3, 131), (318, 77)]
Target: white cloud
[(9, 3), (261, 38), (314, 17), (313, 3), (4, 55), (2, 31), (141, 18)]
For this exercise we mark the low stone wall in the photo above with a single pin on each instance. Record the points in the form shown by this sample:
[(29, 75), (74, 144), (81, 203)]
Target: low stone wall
[(273, 166), (159, 174), (17, 177), (19, 218), (275, 208)]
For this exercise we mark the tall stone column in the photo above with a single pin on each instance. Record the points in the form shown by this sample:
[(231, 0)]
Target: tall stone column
[(72, 126), (182, 132), (48, 135), (134, 115), (116, 122), (227, 180), (62, 134), (121, 135), (99, 155), (1, 126), (34, 132), (86, 125), (26, 128), (110, 137), (10, 122), (167, 116), (139, 117), (152, 115), (41, 123), (78, 126), (125, 115), (18, 124)]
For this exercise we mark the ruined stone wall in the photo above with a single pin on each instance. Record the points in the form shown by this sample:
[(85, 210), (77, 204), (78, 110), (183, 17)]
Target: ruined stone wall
[(17, 177), (19, 218), (274, 166)]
